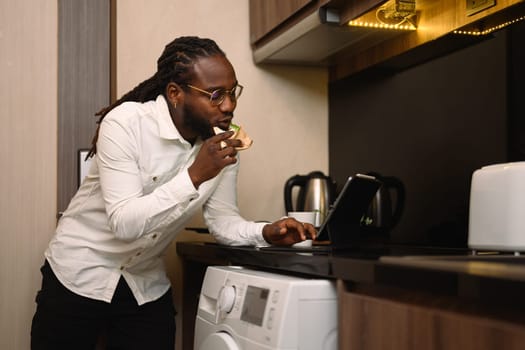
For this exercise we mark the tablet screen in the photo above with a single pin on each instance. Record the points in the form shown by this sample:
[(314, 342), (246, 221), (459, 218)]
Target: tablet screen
[(343, 222)]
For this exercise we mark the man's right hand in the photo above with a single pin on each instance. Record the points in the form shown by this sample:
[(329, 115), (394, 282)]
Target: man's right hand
[(216, 153)]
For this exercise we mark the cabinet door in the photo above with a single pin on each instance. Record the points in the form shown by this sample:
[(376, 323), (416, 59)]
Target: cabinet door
[(369, 322), (266, 15), (83, 84)]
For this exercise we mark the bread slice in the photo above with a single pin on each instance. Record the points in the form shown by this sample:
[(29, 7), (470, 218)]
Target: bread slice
[(239, 134)]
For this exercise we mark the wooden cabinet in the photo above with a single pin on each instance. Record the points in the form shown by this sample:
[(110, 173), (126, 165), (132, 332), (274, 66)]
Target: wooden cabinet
[(269, 18), (412, 321), (291, 31), (266, 15)]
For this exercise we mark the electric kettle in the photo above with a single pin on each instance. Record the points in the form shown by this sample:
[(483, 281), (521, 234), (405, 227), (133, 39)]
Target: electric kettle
[(316, 193), (384, 212)]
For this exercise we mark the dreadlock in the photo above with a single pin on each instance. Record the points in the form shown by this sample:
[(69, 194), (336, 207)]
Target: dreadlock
[(174, 65)]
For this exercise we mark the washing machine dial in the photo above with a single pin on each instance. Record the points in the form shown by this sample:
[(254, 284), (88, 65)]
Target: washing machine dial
[(226, 299)]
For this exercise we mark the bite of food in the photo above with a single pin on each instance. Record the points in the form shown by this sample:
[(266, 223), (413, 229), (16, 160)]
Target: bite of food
[(239, 134)]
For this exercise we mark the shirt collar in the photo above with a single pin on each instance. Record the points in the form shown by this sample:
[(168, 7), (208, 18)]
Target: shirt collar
[(167, 129)]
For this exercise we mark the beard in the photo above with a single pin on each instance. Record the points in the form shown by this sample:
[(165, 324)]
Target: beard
[(197, 123)]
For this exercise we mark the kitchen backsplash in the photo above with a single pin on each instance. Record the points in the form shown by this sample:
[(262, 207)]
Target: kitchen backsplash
[(431, 126)]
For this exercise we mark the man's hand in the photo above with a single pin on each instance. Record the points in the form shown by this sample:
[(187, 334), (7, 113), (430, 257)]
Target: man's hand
[(288, 231), (216, 153)]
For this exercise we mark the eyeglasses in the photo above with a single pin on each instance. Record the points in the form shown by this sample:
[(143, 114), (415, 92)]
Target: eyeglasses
[(217, 96)]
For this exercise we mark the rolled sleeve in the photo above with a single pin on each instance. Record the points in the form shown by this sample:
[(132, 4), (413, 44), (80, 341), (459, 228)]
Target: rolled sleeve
[(222, 216)]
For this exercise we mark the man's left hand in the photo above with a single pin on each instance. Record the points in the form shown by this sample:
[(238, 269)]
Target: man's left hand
[(288, 231)]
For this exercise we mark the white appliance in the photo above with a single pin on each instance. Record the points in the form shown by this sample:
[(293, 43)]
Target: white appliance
[(497, 208), (245, 309)]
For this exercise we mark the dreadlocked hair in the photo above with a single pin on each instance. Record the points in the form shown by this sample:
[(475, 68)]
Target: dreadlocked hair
[(174, 65)]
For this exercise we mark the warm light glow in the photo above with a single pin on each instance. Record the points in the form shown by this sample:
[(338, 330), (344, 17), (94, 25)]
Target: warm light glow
[(394, 15), (490, 30), (381, 25)]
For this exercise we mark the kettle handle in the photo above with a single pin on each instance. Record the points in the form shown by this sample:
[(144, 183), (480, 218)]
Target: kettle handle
[(396, 184), (296, 180)]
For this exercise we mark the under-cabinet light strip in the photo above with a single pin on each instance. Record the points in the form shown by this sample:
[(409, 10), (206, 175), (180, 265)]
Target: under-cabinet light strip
[(490, 30), (381, 25)]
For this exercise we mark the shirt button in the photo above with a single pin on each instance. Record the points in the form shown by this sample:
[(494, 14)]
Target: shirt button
[(154, 236), (122, 268), (154, 178), (138, 254)]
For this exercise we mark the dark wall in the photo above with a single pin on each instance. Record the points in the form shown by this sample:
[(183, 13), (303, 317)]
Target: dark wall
[(431, 126), (83, 84), (517, 92)]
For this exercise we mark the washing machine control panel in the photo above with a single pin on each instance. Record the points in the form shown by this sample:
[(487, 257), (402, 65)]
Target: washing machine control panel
[(254, 304), (266, 308)]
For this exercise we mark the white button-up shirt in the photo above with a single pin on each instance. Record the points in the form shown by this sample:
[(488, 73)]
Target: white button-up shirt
[(136, 197)]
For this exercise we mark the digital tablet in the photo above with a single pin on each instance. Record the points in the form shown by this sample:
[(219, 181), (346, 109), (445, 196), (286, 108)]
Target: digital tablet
[(342, 226)]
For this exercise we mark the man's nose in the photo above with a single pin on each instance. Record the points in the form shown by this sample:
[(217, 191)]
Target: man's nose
[(229, 103)]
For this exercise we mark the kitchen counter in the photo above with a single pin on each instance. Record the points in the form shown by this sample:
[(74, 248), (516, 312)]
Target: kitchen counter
[(447, 279), (370, 265)]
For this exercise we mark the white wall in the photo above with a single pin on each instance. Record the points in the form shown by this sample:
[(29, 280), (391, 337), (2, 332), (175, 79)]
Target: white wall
[(28, 161)]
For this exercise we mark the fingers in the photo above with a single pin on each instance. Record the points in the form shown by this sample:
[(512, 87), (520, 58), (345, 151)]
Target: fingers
[(221, 136), (231, 143), (311, 232), (289, 231), (293, 225), (297, 230), (222, 150), (212, 158), (224, 140)]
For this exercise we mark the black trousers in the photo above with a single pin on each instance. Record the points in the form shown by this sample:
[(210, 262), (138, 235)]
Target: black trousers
[(65, 320)]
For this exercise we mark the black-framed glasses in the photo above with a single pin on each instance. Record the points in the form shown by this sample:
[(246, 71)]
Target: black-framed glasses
[(218, 96)]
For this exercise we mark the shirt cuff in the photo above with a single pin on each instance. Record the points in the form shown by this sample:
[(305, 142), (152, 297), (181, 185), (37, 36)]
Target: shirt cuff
[(260, 241)]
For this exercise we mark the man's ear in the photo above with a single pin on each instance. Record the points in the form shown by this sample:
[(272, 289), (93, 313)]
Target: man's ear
[(173, 93)]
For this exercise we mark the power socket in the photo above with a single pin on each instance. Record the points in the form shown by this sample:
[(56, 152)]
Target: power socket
[(475, 6)]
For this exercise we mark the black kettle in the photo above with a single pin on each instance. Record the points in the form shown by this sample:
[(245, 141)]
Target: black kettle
[(384, 213), (316, 193)]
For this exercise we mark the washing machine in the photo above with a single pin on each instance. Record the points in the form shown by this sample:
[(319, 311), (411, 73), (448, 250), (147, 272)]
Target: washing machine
[(246, 309)]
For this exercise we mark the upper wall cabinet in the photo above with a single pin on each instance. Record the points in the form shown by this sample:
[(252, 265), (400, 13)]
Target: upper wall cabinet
[(267, 15), (349, 36), (303, 32)]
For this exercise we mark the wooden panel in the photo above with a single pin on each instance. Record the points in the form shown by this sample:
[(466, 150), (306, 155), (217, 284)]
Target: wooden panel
[(350, 9), (378, 323), (435, 19), (84, 83), (266, 15)]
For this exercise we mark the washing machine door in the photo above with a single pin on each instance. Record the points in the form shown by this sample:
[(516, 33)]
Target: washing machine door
[(219, 341)]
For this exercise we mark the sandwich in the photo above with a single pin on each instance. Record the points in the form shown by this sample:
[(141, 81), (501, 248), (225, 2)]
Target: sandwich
[(239, 134)]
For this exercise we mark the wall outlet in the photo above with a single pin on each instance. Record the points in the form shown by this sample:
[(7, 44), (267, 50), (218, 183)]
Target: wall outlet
[(475, 6)]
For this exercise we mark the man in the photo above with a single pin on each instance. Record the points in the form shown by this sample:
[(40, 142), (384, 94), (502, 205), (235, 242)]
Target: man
[(157, 161)]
